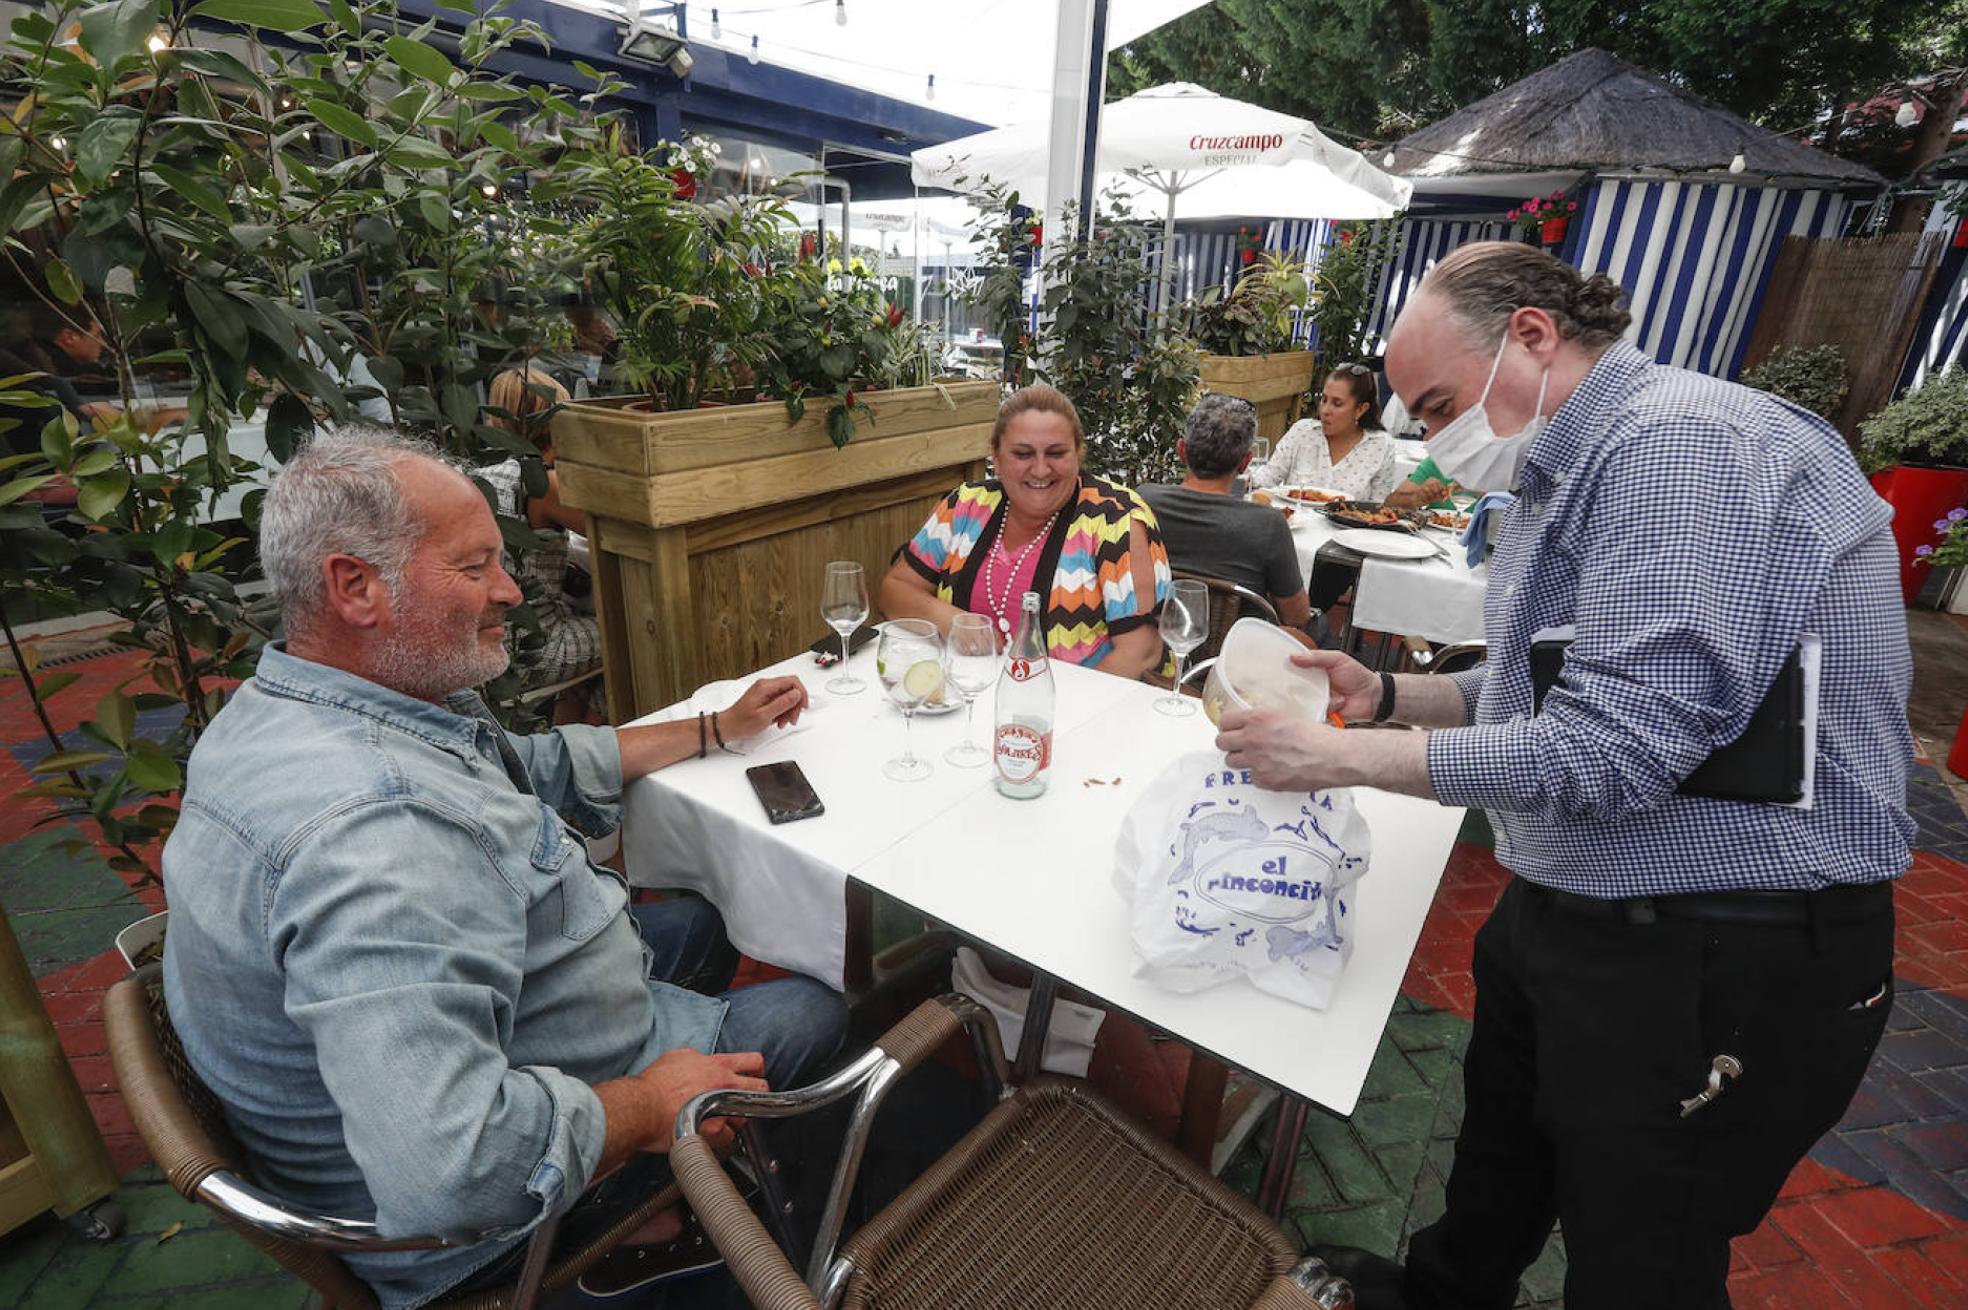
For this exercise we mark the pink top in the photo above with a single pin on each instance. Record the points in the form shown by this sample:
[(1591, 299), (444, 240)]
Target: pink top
[(1003, 581)]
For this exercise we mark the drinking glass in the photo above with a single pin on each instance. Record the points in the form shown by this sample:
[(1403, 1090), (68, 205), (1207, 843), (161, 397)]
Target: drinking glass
[(909, 661), (1260, 452), (1184, 624), (844, 605), (971, 659)]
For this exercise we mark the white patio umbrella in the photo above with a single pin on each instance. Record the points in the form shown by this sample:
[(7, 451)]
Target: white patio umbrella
[(1220, 158)]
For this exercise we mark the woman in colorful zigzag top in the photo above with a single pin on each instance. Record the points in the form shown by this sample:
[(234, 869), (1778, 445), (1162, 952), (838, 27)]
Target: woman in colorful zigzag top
[(1088, 546)]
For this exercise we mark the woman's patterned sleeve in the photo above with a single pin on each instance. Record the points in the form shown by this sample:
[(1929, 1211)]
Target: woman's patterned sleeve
[(929, 550), (1123, 604)]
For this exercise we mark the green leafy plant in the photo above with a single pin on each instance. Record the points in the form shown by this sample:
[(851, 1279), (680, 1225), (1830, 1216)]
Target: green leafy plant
[(1131, 382), (1343, 287), (1009, 241), (1925, 426), (270, 230), (1255, 316), (1953, 550), (837, 336), (692, 285), (1810, 377)]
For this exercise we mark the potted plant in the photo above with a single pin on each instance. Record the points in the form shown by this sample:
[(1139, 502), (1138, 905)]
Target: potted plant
[(1132, 382), (1245, 336), (1545, 217), (710, 524), (1951, 552), (1916, 451), (1810, 377)]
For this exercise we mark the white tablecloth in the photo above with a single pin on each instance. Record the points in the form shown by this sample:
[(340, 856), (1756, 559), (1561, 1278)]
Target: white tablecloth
[(1032, 879), (1438, 599)]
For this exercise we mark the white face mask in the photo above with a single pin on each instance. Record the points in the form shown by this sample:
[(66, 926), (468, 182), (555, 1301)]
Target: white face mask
[(1469, 450)]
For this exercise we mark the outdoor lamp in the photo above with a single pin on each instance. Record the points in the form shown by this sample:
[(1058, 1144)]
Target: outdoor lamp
[(650, 43), (1738, 164), (840, 13), (717, 29), (930, 94), (1907, 114), (752, 57)]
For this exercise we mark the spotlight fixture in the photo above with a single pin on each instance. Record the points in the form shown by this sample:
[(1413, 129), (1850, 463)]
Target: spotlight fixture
[(840, 13), (658, 39)]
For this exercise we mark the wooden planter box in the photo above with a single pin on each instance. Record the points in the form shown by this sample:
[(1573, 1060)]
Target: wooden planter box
[(711, 528), (1276, 384)]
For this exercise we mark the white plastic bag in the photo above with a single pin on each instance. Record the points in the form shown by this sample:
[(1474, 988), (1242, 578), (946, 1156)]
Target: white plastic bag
[(1229, 879)]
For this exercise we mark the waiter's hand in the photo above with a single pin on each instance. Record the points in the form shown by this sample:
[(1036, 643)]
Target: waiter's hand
[(1285, 752), (1355, 687)]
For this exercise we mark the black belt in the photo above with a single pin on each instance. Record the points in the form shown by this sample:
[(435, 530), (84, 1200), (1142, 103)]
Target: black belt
[(1831, 905)]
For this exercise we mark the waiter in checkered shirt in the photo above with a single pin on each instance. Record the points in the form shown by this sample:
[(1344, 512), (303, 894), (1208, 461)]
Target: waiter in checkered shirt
[(1691, 533)]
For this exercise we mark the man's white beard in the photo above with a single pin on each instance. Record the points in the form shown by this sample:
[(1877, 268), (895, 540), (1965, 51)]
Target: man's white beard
[(428, 665)]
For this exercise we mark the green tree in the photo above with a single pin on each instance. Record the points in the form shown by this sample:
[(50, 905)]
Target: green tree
[(1380, 68)]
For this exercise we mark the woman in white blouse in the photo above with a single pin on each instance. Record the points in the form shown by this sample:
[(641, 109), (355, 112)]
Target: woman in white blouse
[(1342, 450)]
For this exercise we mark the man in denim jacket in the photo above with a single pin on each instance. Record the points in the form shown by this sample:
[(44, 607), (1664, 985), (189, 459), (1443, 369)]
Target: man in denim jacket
[(389, 955)]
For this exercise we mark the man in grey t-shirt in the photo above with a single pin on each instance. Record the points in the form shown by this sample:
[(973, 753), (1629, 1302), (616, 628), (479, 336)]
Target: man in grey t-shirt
[(1211, 532)]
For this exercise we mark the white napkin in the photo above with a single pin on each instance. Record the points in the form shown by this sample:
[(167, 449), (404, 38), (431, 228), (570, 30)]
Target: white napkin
[(716, 697)]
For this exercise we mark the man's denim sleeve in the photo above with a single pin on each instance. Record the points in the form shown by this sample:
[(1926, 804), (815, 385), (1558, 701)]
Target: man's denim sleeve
[(577, 769), (402, 946)]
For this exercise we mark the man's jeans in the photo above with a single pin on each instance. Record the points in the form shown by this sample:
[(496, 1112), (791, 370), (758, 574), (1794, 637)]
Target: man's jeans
[(795, 1023)]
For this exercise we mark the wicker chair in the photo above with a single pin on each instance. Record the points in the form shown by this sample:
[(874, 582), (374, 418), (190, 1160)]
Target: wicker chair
[(1053, 1202), (182, 1124)]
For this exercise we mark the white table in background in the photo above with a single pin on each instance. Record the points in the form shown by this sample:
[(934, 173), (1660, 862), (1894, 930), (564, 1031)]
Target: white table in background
[(1408, 455), (1032, 879), (1438, 599)]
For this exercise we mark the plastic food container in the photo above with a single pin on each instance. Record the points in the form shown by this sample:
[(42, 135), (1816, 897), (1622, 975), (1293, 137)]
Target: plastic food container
[(1254, 672)]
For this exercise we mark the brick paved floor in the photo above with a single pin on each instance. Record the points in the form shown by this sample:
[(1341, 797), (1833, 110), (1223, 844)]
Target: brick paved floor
[(1876, 1217)]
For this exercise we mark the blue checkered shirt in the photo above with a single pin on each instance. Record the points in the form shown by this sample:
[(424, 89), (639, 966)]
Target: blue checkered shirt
[(1689, 529)]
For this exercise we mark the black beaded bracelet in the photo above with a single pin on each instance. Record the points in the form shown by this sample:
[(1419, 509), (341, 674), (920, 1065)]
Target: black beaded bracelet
[(719, 734), (1386, 710)]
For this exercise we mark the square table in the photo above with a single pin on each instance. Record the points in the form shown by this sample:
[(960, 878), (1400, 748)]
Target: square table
[(1032, 879)]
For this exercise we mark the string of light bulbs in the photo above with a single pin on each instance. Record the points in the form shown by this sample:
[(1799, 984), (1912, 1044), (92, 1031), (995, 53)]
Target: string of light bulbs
[(753, 50)]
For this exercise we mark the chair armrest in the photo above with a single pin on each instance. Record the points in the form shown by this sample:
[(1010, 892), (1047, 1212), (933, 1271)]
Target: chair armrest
[(761, 1268), (868, 1078)]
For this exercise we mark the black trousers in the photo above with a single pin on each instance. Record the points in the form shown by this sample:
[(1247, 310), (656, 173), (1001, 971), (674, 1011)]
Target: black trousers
[(1592, 1025)]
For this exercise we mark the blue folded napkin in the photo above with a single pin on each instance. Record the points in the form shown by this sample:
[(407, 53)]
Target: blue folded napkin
[(1476, 537)]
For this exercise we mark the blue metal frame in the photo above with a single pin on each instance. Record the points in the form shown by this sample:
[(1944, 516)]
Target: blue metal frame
[(763, 102)]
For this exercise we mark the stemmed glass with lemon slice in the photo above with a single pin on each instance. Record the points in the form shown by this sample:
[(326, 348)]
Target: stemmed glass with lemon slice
[(909, 660)]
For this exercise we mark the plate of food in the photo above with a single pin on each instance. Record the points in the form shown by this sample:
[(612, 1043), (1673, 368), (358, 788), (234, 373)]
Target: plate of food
[(1446, 518), (1279, 503), (1316, 496), (1372, 514)]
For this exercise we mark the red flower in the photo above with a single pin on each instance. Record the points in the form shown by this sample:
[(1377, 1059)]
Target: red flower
[(1038, 232), (753, 270), (807, 245), (895, 316), (850, 397), (1250, 257), (686, 183)]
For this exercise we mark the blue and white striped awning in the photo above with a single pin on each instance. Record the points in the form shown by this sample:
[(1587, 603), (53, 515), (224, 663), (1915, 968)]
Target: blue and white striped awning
[(1695, 257), (1941, 342)]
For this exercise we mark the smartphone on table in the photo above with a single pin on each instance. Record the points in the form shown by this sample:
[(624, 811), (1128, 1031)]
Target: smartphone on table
[(784, 791)]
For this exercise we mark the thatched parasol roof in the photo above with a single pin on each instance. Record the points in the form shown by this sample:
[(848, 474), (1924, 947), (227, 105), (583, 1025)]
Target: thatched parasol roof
[(1593, 111)]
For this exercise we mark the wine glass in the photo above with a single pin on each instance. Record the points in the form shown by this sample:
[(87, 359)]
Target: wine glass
[(971, 659), (1184, 624), (909, 661), (844, 605), (1260, 452)]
